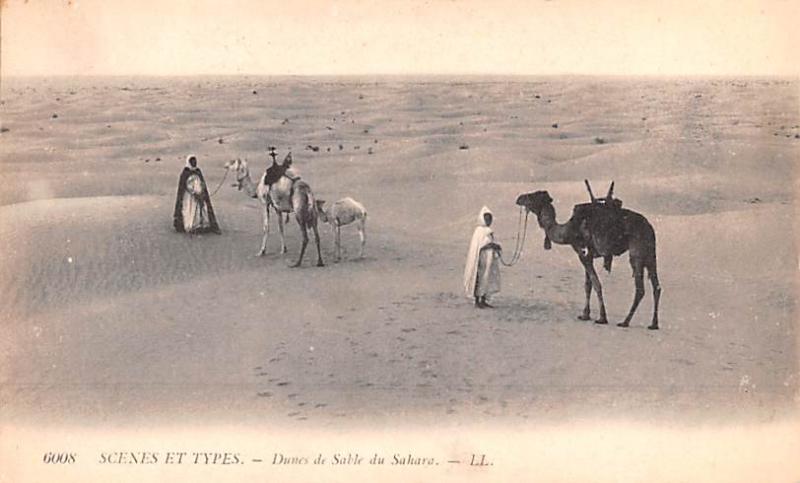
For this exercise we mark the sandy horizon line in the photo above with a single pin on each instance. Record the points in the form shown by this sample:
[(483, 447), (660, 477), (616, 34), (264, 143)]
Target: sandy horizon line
[(436, 76)]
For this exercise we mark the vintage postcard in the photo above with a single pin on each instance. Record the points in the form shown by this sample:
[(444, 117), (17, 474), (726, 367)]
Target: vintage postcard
[(407, 241)]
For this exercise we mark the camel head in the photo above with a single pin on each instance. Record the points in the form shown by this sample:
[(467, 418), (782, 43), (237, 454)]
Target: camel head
[(323, 215), (535, 201), (239, 167)]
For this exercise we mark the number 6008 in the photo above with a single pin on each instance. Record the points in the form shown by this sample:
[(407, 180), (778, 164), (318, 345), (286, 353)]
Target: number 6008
[(56, 458)]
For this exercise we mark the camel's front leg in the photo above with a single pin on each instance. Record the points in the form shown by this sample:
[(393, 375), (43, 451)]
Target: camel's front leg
[(588, 264), (587, 286), (265, 217), (280, 228)]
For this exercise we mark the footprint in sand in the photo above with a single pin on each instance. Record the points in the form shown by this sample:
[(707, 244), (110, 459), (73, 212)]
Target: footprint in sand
[(264, 394), (320, 405), (284, 383)]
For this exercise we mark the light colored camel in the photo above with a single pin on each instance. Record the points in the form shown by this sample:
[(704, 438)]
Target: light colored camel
[(341, 213), (284, 196)]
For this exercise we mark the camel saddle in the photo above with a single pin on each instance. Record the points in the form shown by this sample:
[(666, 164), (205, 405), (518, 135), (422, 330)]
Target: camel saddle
[(274, 173), (602, 226)]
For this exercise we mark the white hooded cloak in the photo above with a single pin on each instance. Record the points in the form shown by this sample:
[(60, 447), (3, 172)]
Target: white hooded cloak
[(482, 272)]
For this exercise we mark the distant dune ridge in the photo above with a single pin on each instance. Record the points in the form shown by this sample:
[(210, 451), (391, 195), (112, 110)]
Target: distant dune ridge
[(93, 274)]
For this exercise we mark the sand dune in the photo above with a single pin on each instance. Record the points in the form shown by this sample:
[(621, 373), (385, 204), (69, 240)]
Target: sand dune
[(95, 284)]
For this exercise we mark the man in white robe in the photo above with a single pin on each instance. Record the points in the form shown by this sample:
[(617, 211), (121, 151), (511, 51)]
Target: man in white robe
[(482, 272)]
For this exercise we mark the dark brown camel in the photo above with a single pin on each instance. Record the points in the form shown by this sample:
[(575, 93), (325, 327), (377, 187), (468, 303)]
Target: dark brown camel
[(601, 228)]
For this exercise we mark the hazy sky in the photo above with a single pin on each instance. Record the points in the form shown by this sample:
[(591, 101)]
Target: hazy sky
[(185, 37)]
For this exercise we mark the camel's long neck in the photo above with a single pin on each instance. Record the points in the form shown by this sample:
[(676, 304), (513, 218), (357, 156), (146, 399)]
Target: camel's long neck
[(557, 233)]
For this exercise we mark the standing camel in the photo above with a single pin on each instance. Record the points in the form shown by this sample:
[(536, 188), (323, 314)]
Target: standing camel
[(341, 213), (602, 228), (284, 196)]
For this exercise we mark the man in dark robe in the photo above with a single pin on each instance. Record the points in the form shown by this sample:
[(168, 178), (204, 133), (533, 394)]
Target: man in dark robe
[(193, 211)]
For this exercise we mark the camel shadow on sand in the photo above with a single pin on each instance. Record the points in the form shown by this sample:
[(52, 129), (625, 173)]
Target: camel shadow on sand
[(365, 260), (506, 308), (520, 310)]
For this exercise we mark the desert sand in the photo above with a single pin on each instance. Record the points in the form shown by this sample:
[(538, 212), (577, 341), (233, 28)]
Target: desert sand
[(109, 316)]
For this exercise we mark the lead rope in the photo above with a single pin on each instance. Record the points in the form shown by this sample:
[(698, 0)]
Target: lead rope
[(220, 183), (520, 242)]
